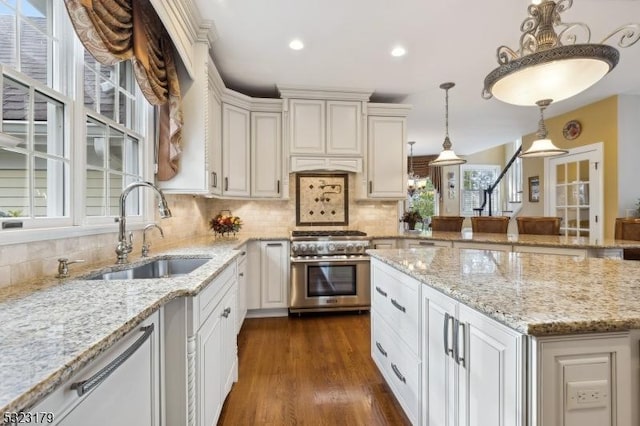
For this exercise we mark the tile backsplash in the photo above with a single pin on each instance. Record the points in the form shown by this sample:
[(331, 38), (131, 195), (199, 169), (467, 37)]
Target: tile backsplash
[(34, 260)]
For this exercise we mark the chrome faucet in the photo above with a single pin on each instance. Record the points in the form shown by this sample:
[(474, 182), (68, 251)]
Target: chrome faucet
[(125, 246), (145, 246)]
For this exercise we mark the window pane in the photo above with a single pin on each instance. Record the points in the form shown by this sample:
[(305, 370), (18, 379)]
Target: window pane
[(95, 193), (8, 49), (50, 182), (96, 143), (15, 107), (132, 156), (116, 143), (115, 188), (90, 89), (49, 125), (34, 49), (14, 184)]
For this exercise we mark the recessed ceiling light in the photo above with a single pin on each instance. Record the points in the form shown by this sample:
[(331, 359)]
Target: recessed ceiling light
[(398, 51), (296, 44)]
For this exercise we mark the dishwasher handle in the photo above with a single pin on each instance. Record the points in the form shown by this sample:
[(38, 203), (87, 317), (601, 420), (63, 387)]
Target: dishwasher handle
[(85, 386)]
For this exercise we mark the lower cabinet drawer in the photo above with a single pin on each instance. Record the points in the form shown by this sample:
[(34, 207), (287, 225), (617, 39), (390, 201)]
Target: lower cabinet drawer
[(398, 302), (208, 299), (399, 366)]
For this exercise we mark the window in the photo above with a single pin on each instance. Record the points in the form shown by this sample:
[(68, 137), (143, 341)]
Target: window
[(474, 179), (64, 160)]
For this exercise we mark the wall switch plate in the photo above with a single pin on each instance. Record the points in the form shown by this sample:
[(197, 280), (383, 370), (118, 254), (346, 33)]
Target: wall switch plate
[(587, 394)]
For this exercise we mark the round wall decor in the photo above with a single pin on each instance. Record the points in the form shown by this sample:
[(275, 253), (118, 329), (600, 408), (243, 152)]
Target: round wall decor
[(572, 130)]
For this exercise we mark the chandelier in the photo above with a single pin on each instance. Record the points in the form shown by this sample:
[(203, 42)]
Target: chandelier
[(447, 156), (550, 64), (543, 146), (414, 183)]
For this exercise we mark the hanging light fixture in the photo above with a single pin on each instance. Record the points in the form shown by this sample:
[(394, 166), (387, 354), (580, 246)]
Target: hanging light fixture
[(543, 146), (447, 157), (550, 65), (413, 181)]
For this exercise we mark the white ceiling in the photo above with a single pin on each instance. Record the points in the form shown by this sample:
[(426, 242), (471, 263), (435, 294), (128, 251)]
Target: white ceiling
[(348, 44)]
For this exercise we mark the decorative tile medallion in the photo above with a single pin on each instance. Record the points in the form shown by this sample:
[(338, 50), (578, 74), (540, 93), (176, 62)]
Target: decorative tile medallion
[(322, 199)]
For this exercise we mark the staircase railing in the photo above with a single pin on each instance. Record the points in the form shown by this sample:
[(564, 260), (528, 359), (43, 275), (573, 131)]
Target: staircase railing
[(489, 191)]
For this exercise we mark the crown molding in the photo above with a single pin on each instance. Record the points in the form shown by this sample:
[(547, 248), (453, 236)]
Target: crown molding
[(330, 93)]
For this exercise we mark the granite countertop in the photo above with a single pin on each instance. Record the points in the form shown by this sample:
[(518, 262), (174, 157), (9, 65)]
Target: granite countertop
[(534, 294), (515, 239), (52, 328)]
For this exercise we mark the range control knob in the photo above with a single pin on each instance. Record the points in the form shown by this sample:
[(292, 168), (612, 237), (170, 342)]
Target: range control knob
[(331, 247), (349, 247), (359, 247), (294, 248), (303, 247)]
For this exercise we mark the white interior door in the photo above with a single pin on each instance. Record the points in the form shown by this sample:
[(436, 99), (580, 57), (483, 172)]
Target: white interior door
[(574, 184)]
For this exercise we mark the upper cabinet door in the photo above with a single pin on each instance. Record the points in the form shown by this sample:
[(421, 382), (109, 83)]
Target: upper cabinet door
[(214, 141), (387, 157), (266, 154), (344, 132), (307, 126), (235, 151)]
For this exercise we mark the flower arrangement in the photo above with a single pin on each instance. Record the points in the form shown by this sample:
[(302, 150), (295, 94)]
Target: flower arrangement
[(411, 216), (225, 224)]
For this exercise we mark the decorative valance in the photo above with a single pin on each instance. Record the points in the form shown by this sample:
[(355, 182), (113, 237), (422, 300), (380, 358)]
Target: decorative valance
[(118, 30), (421, 168)]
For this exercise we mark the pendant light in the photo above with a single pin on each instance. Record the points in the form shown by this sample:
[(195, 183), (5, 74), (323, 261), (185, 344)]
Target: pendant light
[(543, 146), (550, 65), (447, 156)]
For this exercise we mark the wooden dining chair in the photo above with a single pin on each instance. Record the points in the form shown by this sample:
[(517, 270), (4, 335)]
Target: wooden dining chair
[(539, 225), (490, 224), (628, 228), (447, 223)]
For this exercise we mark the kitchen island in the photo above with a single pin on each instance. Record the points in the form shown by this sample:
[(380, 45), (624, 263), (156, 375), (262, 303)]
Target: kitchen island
[(507, 338), (545, 244)]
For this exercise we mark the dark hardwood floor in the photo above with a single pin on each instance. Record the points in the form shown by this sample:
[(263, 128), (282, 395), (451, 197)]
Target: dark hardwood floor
[(309, 370)]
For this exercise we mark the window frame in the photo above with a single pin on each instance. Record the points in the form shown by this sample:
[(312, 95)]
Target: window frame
[(69, 63), (497, 193)]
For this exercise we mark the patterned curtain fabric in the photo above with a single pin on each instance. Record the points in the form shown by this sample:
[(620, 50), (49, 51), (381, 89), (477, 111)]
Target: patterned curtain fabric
[(118, 30)]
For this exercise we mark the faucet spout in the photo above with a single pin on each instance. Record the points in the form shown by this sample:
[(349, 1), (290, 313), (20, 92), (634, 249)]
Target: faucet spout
[(124, 247)]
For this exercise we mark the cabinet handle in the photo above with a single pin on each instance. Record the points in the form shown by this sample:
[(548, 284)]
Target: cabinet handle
[(241, 274), (242, 253), (86, 385), (424, 243), (379, 290), (214, 176), (226, 312), (459, 325), (400, 376), (226, 184), (278, 186), (381, 349), (274, 244), (370, 186), (399, 306), (445, 332)]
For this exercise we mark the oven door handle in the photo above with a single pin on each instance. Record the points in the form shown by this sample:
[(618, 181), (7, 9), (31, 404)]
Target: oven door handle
[(334, 260)]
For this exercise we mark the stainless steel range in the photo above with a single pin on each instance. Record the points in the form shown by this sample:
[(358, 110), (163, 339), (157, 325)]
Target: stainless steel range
[(329, 271)]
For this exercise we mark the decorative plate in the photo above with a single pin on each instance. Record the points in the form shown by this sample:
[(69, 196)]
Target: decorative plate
[(572, 130)]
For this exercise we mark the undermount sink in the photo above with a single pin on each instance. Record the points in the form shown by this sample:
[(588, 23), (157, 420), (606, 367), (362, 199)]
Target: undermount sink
[(160, 268)]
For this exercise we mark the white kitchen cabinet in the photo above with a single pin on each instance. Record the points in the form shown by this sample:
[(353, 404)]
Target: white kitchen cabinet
[(130, 394), (274, 273), (235, 151), (267, 278), (307, 126), (325, 127), (395, 334), (387, 157), (200, 349), (384, 243), (266, 154), (415, 243), (473, 366), (344, 128)]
